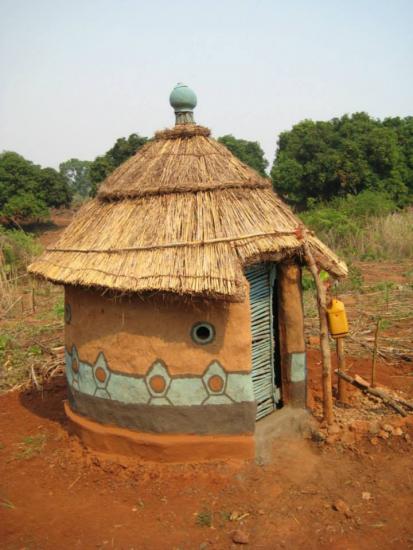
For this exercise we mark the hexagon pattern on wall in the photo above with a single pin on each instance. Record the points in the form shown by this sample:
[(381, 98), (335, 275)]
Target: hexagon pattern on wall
[(158, 382), (101, 374), (215, 382), (214, 387), (75, 368)]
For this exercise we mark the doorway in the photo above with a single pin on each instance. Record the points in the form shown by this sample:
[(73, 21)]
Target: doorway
[(264, 331)]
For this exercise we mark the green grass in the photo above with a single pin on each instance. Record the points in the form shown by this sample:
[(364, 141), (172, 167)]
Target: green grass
[(18, 248), (31, 446), (204, 518), (59, 308)]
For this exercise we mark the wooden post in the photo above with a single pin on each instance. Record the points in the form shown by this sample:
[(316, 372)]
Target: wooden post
[(341, 364), (374, 361), (324, 344), (33, 301), (27, 301), (291, 333)]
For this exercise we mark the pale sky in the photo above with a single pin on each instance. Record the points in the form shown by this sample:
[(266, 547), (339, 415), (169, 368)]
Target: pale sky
[(77, 74)]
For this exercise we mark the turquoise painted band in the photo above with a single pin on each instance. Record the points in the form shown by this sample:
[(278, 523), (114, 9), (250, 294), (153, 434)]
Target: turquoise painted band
[(98, 380)]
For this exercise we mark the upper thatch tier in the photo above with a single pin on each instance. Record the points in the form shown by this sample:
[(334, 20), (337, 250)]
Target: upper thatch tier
[(184, 216), (180, 160)]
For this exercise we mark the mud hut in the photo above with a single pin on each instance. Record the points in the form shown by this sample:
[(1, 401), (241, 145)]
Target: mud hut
[(183, 305)]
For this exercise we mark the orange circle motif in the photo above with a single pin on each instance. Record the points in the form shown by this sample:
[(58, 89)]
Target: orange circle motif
[(75, 365), (157, 383), (100, 374), (215, 383)]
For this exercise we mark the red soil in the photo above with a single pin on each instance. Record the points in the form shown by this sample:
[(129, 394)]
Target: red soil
[(55, 495), (61, 497), (60, 220)]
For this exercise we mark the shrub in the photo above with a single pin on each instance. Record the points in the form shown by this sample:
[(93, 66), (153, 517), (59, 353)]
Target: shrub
[(26, 190), (25, 206), (17, 249), (367, 226)]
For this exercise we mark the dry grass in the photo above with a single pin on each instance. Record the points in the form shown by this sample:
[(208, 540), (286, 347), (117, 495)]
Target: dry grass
[(31, 446), (17, 250), (389, 302), (31, 349), (157, 234), (8, 291), (389, 237)]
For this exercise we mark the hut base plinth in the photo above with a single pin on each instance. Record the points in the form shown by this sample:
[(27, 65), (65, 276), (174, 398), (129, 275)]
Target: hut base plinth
[(112, 440)]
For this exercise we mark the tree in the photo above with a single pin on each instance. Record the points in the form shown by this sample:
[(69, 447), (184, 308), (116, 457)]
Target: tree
[(103, 165), (27, 190), (23, 207), (53, 188), (77, 175), (322, 160), (249, 152), (403, 127)]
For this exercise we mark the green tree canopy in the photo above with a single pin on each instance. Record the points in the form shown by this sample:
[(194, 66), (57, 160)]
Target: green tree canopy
[(27, 190), (249, 152), (103, 165), (316, 161), (77, 175)]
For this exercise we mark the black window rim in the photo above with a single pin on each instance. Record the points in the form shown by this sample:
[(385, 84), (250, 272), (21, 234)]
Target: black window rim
[(201, 340)]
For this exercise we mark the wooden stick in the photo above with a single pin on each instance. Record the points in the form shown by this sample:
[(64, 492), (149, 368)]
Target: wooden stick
[(341, 360), (373, 391), (33, 301), (324, 344), (11, 307), (34, 377), (407, 404), (177, 244), (45, 348), (373, 364)]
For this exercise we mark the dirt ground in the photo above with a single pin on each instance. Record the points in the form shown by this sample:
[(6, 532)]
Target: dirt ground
[(55, 495), (351, 488), (60, 219)]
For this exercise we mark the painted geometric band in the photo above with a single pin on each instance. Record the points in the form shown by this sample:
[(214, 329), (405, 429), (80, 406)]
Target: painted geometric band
[(214, 386)]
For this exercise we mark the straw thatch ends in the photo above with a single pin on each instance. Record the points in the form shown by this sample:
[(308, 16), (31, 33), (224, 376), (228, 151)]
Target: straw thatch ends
[(184, 216), (179, 160)]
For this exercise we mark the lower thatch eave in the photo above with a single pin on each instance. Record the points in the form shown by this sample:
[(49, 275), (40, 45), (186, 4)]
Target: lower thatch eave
[(184, 243), (210, 271)]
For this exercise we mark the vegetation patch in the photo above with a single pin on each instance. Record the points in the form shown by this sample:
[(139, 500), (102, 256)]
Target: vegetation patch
[(368, 226), (31, 446), (204, 518), (27, 345), (6, 503), (321, 160)]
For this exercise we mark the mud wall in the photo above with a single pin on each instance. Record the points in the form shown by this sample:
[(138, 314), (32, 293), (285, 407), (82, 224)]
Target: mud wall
[(132, 363)]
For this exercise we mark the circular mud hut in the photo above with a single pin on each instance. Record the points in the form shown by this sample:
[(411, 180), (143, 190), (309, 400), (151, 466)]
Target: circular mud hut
[(183, 305)]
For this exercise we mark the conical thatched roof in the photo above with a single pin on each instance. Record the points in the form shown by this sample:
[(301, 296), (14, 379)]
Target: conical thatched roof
[(184, 216)]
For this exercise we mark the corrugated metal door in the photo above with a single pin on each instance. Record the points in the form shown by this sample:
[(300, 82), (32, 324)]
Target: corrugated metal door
[(261, 278)]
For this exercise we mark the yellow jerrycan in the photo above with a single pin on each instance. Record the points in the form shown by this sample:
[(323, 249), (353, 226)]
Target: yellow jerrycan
[(337, 319)]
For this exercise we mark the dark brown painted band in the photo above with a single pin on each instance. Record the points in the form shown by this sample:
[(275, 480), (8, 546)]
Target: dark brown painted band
[(298, 394), (236, 418)]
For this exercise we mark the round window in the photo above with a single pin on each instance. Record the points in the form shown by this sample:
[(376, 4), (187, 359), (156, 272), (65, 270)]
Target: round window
[(203, 333)]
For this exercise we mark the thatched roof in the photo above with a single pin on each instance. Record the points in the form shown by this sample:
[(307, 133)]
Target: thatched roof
[(184, 216)]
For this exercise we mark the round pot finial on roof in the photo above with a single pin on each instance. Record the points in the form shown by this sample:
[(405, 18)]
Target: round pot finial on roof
[(183, 100)]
